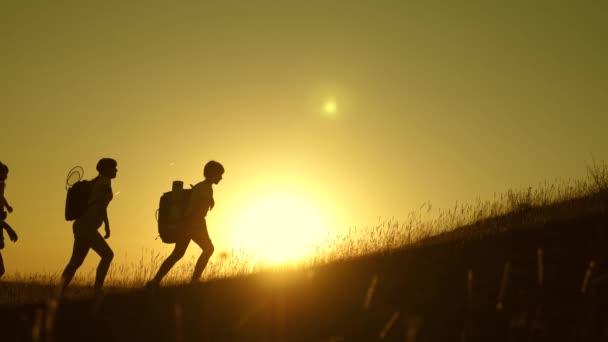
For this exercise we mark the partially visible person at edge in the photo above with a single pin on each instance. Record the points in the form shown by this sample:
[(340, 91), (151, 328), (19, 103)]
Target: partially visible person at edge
[(85, 228), (194, 226), (3, 224)]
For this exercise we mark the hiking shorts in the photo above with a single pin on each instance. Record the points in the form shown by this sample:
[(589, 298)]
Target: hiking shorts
[(197, 231)]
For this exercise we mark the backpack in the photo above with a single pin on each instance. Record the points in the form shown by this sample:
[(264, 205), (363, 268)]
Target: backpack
[(171, 210), (78, 194)]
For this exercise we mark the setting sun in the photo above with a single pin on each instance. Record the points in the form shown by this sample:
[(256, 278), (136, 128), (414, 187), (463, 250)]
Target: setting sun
[(280, 226)]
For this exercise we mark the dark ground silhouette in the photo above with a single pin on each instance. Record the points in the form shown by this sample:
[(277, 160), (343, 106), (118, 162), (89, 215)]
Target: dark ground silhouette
[(420, 293)]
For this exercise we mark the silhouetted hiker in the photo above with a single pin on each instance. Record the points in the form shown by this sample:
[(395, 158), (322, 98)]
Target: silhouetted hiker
[(86, 225), (4, 204), (193, 226)]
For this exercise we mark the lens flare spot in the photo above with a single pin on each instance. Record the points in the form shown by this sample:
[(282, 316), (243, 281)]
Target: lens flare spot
[(330, 107)]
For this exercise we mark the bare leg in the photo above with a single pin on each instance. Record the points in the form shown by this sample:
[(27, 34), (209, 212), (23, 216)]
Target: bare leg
[(178, 252), (1, 266), (99, 245), (206, 245), (1, 247), (79, 252)]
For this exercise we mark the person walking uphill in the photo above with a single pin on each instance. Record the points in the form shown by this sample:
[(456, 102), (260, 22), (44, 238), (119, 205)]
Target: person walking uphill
[(194, 226), (85, 226), (3, 224)]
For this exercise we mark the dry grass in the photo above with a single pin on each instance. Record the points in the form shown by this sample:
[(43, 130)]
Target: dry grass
[(513, 209)]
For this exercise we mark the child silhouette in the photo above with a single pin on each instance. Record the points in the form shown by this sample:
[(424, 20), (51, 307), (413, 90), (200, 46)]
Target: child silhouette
[(194, 227), (85, 227), (3, 224)]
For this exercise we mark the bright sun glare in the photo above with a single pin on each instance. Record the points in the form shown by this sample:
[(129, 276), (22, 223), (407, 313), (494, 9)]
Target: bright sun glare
[(330, 107), (280, 226)]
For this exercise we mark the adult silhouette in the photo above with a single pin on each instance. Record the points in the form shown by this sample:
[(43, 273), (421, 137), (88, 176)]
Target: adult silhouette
[(194, 226), (85, 227), (3, 224)]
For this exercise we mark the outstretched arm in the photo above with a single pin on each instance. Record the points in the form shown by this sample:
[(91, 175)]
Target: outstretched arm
[(11, 233), (3, 201), (4, 204)]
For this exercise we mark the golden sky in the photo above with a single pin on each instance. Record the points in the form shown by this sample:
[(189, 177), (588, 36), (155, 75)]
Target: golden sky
[(325, 114)]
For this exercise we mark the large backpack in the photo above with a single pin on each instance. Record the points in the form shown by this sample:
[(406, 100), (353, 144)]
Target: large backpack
[(171, 210), (78, 194)]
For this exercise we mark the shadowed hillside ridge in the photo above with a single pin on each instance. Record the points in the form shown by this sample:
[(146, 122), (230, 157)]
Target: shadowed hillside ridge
[(514, 209), (421, 287), (529, 217), (535, 273)]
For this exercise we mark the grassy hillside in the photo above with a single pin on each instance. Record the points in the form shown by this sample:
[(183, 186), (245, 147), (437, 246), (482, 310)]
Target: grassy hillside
[(530, 266)]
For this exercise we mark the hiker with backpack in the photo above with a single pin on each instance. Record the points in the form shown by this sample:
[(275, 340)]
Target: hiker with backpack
[(193, 225), (97, 194), (3, 224)]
